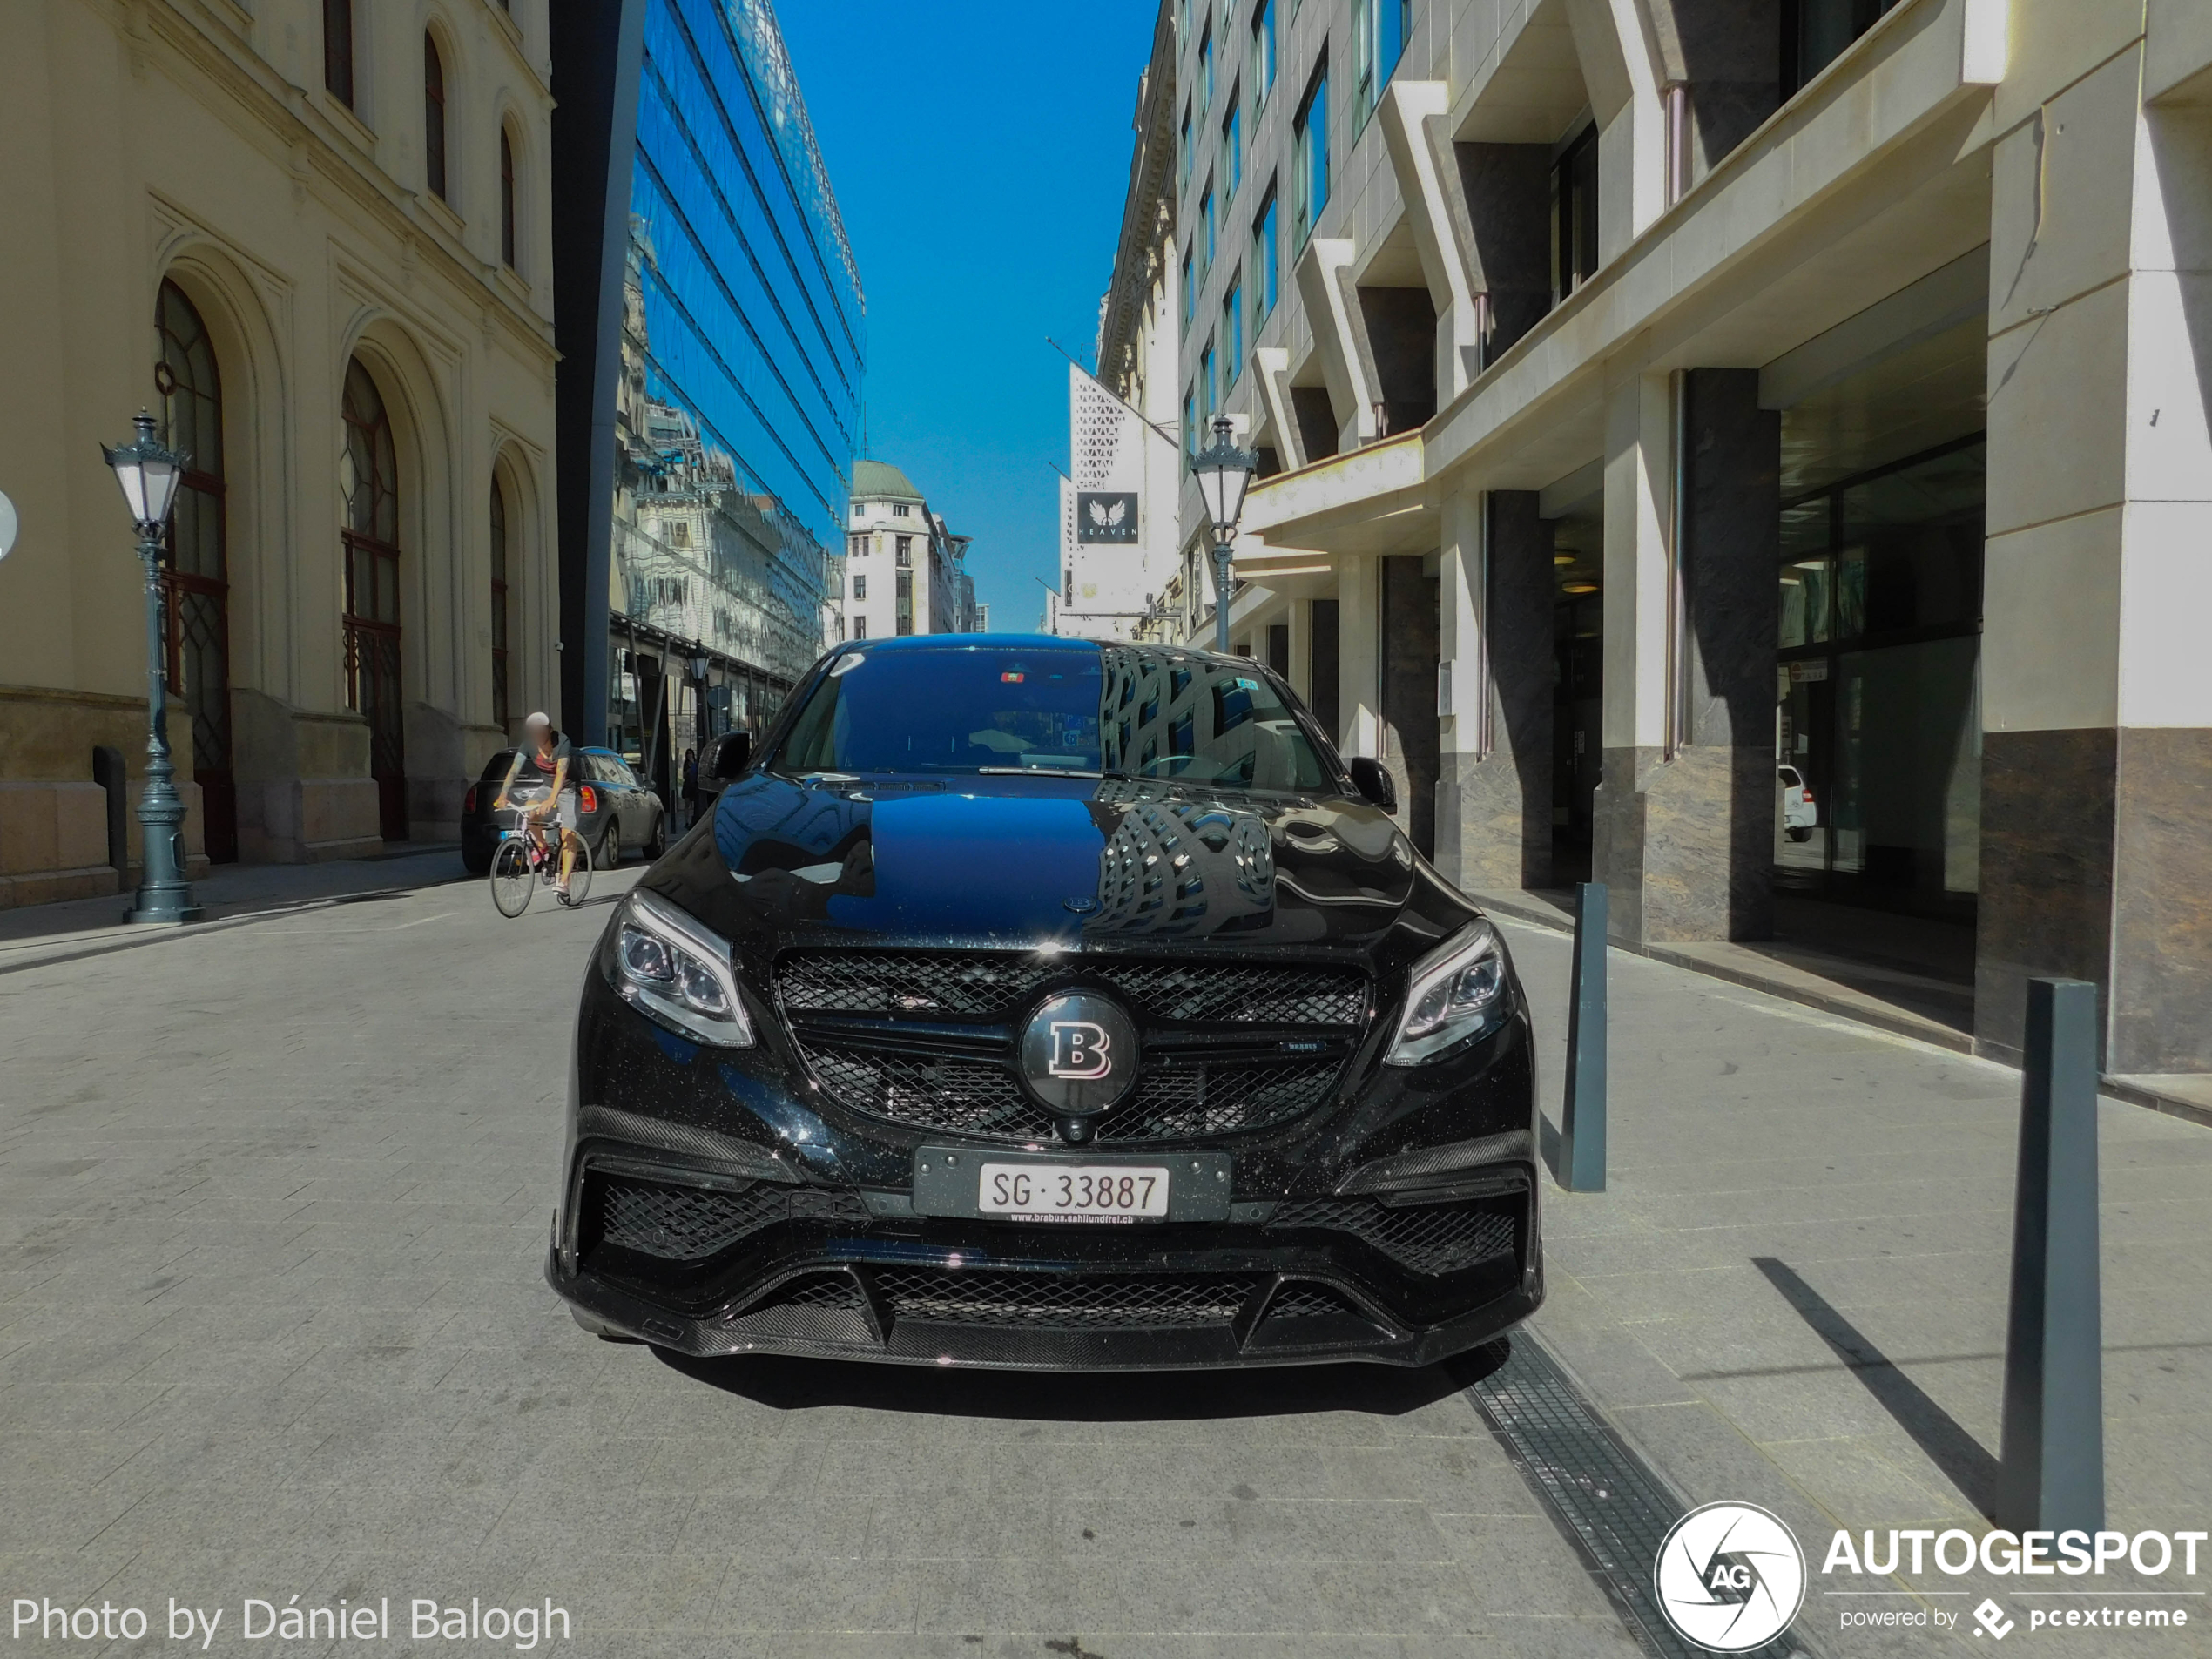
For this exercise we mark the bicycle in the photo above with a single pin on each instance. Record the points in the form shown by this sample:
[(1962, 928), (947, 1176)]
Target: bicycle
[(527, 858)]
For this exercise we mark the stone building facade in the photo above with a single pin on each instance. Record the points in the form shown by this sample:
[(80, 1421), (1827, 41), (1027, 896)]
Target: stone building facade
[(310, 236)]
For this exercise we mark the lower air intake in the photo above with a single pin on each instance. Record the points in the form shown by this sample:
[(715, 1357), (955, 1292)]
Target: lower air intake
[(1039, 1300)]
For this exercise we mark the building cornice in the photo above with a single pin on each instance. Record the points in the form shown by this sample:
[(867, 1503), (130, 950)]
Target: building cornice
[(1148, 211)]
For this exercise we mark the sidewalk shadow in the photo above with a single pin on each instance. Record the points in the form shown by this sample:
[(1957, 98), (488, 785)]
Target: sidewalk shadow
[(1961, 1456), (1547, 1148)]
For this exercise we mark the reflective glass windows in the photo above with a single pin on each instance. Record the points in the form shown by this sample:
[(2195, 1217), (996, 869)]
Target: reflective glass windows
[(1310, 148)]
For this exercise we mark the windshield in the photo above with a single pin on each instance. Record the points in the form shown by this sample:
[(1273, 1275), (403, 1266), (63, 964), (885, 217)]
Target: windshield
[(1120, 712)]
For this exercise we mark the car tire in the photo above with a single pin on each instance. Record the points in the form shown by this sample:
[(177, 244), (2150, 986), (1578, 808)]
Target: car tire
[(476, 863), (607, 853), (1800, 832), (658, 845)]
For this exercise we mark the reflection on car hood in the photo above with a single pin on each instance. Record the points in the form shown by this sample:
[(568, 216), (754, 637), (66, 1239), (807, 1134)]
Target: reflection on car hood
[(1009, 861)]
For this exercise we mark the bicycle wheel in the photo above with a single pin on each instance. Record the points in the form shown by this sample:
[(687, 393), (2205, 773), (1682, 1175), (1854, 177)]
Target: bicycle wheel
[(579, 873), (511, 879)]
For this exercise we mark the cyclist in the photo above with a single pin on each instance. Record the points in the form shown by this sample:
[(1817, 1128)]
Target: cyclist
[(548, 754)]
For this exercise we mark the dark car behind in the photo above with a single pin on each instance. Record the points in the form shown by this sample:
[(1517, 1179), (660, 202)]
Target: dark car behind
[(618, 814)]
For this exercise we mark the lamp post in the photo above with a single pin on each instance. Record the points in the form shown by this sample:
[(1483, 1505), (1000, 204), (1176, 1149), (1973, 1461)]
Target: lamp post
[(1225, 471), (150, 472)]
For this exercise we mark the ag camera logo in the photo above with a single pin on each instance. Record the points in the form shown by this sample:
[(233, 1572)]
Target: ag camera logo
[(1730, 1577)]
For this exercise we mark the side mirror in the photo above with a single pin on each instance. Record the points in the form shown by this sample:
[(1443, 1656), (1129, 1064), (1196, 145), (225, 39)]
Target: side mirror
[(1374, 782), (726, 757)]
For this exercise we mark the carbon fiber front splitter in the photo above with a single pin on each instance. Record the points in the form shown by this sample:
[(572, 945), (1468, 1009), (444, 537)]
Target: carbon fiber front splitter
[(868, 1328)]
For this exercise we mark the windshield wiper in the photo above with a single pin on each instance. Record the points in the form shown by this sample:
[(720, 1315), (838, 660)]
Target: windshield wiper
[(1035, 772)]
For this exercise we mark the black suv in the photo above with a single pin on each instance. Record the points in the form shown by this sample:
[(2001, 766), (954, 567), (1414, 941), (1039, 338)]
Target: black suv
[(1039, 1004)]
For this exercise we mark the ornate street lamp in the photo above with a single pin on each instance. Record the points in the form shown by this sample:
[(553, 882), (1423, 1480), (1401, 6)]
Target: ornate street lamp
[(1225, 471), (150, 472)]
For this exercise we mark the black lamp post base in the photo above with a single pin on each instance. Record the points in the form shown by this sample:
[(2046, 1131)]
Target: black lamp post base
[(162, 910)]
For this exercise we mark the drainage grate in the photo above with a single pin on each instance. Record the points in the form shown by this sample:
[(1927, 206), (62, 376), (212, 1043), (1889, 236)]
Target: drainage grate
[(1615, 1507)]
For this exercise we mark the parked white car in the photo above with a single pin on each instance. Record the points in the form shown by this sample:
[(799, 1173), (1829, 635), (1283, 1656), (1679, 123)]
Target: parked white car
[(1795, 807)]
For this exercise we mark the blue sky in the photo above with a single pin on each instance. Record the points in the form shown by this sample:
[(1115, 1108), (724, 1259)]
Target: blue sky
[(980, 152)]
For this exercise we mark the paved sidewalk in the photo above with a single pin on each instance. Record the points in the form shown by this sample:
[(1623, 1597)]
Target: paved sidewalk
[(1794, 1291), (227, 892)]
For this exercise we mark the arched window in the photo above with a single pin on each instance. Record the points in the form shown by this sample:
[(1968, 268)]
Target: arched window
[(369, 495), (338, 50), (500, 705), (433, 118), (196, 576), (506, 199)]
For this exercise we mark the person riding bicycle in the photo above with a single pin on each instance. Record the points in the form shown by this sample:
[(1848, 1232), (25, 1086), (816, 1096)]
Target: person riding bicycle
[(549, 756)]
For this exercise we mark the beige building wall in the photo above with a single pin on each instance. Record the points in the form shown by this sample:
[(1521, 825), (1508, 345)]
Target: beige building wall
[(195, 142)]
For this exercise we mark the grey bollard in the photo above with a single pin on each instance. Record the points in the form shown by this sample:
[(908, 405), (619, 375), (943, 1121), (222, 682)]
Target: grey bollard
[(2051, 1475), (1581, 1117)]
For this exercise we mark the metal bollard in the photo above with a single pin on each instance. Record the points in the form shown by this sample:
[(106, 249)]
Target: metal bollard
[(2051, 1475), (1581, 1117)]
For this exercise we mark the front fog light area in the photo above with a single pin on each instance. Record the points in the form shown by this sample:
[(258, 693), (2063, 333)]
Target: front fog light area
[(672, 968), (1456, 994)]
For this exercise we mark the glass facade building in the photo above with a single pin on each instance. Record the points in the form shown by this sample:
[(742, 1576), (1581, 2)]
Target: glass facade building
[(726, 339)]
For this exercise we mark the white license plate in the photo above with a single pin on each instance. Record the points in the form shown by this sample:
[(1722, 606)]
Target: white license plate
[(1073, 1191)]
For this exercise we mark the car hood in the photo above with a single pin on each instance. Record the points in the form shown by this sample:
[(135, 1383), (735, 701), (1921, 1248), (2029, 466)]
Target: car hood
[(1023, 862)]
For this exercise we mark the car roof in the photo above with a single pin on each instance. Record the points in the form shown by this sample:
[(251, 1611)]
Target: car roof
[(1026, 642)]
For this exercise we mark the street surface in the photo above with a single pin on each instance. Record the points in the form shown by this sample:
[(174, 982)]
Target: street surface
[(274, 1198)]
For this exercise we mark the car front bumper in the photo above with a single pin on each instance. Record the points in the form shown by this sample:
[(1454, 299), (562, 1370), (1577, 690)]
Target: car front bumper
[(716, 1203)]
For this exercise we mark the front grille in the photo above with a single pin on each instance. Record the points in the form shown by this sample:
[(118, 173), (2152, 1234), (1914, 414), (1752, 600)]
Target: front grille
[(1302, 1299), (961, 1097), (1428, 1239), (978, 984), (982, 1098), (1061, 1301), (682, 1224)]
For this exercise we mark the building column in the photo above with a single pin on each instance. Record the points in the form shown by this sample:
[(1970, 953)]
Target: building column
[(1685, 806), (2096, 782), (1359, 693), (1493, 790)]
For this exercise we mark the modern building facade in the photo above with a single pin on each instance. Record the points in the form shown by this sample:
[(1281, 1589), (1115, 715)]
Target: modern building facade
[(712, 328), (1755, 454), (904, 572), (312, 238), (1120, 544)]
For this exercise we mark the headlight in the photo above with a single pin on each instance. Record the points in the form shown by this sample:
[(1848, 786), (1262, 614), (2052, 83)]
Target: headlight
[(1457, 993), (672, 968)]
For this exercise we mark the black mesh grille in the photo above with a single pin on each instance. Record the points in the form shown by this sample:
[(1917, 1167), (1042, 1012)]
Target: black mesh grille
[(1429, 1238), (976, 1097), (1066, 1301), (964, 1096), (1304, 1300), (813, 1290), (973, 984), (1219, 1099), (690, 1224)]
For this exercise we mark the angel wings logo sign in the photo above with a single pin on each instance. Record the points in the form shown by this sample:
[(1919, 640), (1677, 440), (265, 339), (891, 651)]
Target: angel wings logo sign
[(1104, 515)]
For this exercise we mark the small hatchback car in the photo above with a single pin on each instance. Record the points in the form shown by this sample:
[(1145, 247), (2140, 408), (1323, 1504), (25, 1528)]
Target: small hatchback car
[(1034, 1003)]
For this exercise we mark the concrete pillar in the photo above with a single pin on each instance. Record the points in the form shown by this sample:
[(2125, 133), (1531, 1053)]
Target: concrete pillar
[(1493, 792), (2096, 784), (1685, 809), (1358, 699)]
